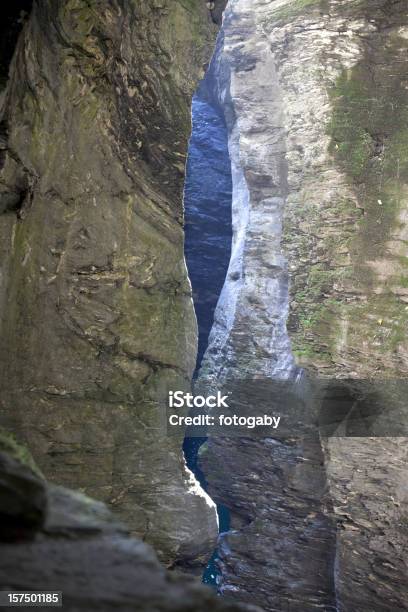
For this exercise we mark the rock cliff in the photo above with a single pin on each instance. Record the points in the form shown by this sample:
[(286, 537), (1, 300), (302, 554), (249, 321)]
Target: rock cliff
[(314, 95), (97, 321)]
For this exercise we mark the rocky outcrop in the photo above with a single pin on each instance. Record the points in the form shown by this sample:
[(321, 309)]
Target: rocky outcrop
[(22, 500), (79, 548), (313, 93), (217, 8), (97, 321)]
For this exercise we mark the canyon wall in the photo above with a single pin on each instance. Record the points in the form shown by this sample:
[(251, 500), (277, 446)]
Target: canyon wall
[(68, 542), (97, 321), (314, 94)]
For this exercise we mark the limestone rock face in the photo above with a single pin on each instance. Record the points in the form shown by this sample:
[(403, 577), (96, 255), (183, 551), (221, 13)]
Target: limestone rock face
[(314, 94), (97, 321)]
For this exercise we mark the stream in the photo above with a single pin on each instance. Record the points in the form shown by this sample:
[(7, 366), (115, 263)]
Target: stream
[(208, 234)]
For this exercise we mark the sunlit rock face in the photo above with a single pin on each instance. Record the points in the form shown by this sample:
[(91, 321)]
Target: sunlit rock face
[(97, 320), (313, 94), (255, 290)]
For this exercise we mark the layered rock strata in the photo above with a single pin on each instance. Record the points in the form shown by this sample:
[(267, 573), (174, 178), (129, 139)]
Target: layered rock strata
[(314, 94), (97, 321)]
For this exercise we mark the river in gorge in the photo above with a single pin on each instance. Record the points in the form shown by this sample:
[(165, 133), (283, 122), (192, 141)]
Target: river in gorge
[(208, 234)]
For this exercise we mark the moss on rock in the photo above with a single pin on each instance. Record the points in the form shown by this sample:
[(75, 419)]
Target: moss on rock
[(9, 445), (368, 138), (293, 8), (351, 269)]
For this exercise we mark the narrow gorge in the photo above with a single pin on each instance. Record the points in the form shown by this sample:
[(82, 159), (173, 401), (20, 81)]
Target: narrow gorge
[(206, 196)]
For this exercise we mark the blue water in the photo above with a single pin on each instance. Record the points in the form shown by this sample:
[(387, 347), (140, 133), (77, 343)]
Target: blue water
[(207, 201), (208, 234)]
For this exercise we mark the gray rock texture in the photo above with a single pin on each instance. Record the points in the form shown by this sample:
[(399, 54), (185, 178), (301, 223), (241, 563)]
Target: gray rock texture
[(82, 550), (314, 94), (97, 321)]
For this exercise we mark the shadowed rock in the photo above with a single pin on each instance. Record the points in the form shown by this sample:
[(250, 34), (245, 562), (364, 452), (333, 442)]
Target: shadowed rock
[(22, 500), (83, 551)]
